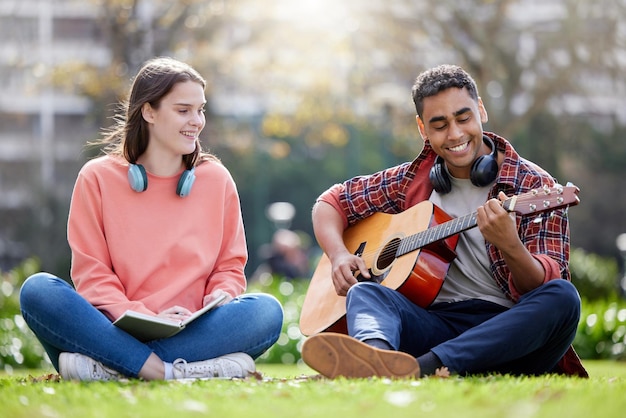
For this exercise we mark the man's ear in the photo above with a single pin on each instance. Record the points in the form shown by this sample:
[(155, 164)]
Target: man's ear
[(421, 128), (147, 112), (484, 117)]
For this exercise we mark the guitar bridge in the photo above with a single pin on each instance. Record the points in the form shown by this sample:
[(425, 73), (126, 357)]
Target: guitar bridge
[(381, 265), (373, 277)]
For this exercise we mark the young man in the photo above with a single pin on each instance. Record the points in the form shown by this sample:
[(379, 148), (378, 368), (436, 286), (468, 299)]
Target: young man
[(507, 304)]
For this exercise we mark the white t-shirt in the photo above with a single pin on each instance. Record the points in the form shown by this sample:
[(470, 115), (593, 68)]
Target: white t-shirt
[(469, 276)]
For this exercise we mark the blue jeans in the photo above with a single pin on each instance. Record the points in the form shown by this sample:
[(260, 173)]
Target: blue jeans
[(64, 321), (472, 336)]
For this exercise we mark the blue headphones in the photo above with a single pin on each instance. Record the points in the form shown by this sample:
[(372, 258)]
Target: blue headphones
[(484, 170), (138, 180)]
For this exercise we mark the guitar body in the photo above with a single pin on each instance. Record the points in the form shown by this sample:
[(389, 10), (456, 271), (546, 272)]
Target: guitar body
[(418, 275), (409, 252)]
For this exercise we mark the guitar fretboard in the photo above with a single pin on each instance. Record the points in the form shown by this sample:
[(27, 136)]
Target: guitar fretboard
[(537, 200), (436, 233)]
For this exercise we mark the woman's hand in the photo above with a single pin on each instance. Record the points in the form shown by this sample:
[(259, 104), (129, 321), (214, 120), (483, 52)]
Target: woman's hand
[(175, 313), (214, 295)]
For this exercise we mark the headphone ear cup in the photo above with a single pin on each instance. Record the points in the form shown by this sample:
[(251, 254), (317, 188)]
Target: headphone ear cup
[(484, 171), (185, 182), (137, 177), (485, 168), (439, 178)]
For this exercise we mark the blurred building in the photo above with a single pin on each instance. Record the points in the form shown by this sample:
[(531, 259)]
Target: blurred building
[(42, 130)]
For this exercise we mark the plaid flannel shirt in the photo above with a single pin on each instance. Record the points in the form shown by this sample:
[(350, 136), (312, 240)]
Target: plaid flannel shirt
[(395, 189)]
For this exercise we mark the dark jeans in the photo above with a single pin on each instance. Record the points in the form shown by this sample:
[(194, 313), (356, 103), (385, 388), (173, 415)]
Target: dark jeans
[(472, 336)]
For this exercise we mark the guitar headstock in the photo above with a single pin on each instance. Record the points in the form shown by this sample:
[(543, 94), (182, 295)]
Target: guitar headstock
[(544, 199)]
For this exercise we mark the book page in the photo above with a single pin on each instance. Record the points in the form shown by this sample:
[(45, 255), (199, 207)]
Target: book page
[(200, 312)]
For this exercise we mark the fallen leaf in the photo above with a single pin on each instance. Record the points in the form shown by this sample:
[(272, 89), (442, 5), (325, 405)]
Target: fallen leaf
[(52, 377), (442, 373)]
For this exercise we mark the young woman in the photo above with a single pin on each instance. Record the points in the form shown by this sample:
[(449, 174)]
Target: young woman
[(155, 227)]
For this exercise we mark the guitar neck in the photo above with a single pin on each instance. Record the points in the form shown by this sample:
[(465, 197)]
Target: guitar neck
[(436, 233), (535, 201)]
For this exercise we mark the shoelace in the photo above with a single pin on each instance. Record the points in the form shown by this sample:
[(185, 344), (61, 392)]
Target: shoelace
[(102, 373), (204, 370)]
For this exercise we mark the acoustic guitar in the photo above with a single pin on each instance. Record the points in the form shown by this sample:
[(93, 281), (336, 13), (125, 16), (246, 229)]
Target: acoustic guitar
[(410, 252)]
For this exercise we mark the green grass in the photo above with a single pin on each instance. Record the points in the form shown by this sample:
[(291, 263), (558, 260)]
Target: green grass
[(293, 391)]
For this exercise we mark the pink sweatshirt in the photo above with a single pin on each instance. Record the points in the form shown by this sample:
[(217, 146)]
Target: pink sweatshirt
[(152, 250)]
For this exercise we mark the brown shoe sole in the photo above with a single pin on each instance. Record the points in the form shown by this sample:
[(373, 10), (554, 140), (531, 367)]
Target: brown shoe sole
[(336, 355)]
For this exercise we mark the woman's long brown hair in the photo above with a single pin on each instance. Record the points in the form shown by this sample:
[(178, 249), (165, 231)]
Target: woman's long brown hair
[(129, 136)]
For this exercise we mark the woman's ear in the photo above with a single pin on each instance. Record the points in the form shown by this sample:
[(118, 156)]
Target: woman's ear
[(147, 112)]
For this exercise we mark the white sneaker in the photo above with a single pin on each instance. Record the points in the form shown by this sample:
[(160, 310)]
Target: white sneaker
[(228, 366), (74, 366)]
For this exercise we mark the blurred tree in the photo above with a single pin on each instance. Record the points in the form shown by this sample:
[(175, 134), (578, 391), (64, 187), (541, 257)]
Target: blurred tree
[(295, 158), (537, 63), (134, 31), (304, 94)]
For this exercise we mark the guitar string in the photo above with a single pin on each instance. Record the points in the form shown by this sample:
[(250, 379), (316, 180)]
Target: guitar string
[(424, 238), (391, 247)]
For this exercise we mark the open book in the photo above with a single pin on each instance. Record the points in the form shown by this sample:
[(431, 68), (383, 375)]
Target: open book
[(149, 327)]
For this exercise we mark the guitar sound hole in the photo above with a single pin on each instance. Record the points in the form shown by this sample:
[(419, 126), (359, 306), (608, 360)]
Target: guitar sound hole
[(385, 258), (388, 255)]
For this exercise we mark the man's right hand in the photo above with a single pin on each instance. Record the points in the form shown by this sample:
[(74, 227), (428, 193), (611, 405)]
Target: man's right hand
[(345, 268), (328, 227)]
